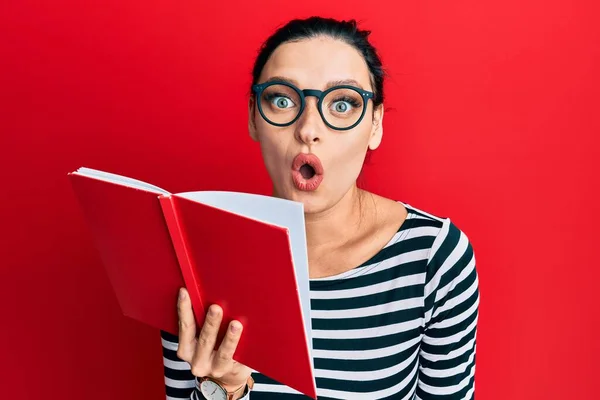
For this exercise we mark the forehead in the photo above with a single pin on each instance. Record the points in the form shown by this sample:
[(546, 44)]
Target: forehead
[(314, 62)]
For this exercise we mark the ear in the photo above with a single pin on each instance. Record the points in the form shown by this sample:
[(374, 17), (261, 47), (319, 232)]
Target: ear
[(377, 129), (251, 113)]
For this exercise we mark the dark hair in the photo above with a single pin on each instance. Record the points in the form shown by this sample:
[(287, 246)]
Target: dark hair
[(346, 31)]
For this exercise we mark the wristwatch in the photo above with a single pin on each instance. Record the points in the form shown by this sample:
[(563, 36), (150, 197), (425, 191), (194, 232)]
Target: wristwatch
[(212, 389)]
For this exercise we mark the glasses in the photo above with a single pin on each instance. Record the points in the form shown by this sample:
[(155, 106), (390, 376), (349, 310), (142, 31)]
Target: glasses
[(341, 107)]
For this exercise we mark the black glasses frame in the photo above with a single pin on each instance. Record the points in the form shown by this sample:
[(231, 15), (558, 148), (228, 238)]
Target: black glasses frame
[(319, 94)]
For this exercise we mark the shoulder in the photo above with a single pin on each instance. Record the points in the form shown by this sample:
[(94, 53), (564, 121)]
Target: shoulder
[(451, 282), (448, 238), (451, 270), (450, 255)]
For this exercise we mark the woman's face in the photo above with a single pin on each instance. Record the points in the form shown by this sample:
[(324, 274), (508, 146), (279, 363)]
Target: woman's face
[(316, 63)]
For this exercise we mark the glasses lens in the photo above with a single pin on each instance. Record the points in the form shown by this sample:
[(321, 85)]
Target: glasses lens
[(280, 104), (342, 108)]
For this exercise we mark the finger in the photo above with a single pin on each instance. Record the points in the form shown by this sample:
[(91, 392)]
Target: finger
[(187, 327), (207, 337), (223, 360)]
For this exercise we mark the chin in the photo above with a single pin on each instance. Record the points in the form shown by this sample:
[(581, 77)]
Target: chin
[(313, 205), (314, 201)]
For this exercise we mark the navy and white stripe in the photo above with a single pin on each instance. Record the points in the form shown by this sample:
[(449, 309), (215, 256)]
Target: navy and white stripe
[(400, 326)]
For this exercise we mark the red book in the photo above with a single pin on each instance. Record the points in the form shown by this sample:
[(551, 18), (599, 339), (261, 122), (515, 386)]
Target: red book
[(244, 252)]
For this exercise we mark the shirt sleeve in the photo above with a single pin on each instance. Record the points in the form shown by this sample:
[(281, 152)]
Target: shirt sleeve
[(180, 383), (447, 354)]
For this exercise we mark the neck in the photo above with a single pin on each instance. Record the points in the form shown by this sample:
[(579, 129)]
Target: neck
[(330, 228)]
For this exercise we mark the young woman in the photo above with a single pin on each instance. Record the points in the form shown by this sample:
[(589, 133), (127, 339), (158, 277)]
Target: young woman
[(394, 290)]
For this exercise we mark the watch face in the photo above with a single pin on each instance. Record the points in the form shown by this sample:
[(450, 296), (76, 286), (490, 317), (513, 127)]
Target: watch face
[(212, 391)]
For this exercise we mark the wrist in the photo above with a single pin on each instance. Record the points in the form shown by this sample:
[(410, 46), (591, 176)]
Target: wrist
[(213, 389), (233, 388), (237, 392)]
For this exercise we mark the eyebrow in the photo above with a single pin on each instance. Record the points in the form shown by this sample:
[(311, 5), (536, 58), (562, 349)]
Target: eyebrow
[(351, 82), (329, 84)]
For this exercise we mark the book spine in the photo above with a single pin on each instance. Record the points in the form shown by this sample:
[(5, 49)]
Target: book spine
[(186, 266)]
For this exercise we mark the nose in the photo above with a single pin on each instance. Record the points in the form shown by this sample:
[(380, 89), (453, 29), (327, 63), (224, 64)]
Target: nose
[(309, 125)]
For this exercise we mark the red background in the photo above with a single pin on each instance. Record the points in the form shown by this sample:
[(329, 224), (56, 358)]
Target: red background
[(493, 121)]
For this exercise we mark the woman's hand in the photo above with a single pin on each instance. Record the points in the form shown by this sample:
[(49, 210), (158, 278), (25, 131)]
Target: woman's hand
[(199, 351)]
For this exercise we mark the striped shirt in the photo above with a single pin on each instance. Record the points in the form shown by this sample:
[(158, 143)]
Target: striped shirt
[(400, 326)]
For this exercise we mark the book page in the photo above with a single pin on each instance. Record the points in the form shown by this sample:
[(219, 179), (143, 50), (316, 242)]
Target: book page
[(284, 213), (119, 180)]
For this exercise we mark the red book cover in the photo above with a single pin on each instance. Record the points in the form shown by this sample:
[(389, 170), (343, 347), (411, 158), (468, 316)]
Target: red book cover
[(128, 229), (241, 251)]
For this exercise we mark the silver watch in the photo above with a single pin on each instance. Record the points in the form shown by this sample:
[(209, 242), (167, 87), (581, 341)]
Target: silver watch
[(212, 389)]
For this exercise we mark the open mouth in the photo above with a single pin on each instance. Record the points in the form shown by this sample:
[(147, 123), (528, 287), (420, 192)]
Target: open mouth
[(307, 171)]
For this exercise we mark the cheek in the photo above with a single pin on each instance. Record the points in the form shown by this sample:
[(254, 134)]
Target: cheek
[(349, 156), (355, 145), (273, 146)]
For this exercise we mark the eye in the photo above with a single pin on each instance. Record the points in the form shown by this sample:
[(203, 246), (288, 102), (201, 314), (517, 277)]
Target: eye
[(344, 105), (280, 101), (341, 106)]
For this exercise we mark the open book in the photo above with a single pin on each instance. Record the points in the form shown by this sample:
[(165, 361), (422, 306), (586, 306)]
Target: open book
[(244, 252)]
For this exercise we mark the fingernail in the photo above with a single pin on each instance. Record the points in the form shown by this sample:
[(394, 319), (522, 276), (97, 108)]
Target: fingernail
[(235, 328), (212, 312), (181, 294)]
